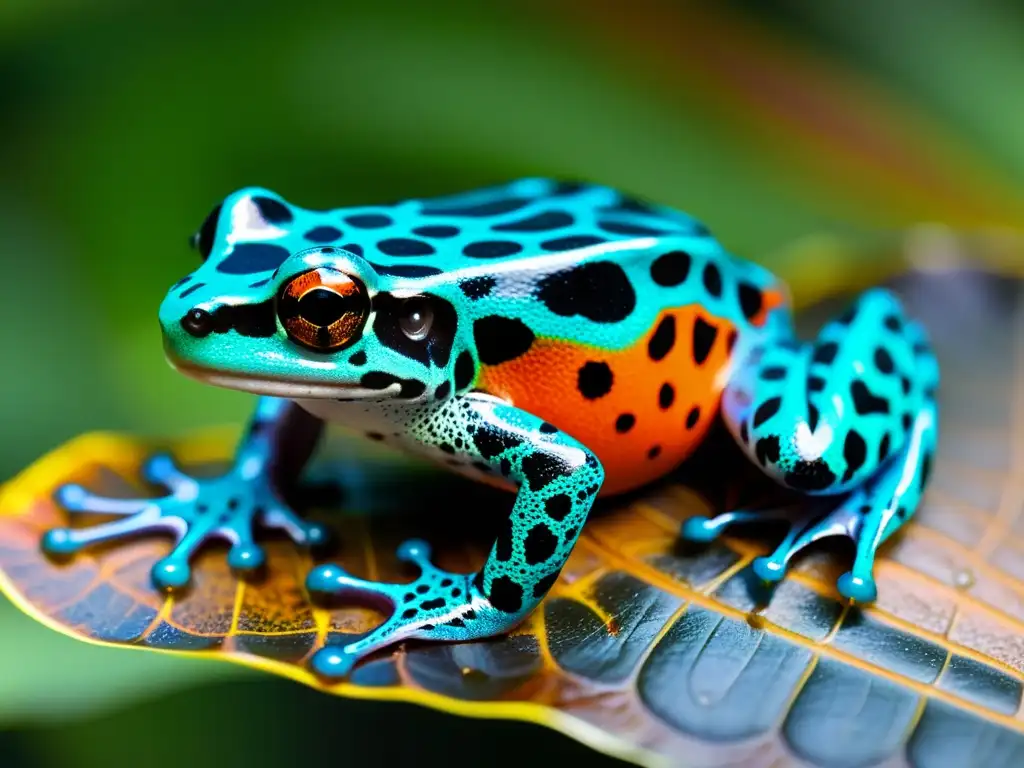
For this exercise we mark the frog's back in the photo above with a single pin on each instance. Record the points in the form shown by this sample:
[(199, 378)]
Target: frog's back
[(611, 318)]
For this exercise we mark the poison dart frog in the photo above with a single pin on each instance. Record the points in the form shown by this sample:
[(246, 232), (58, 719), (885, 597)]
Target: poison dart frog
[(561, 340)]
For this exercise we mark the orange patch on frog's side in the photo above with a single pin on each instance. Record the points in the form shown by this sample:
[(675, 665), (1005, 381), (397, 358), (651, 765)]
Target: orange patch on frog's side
[(546, 382)]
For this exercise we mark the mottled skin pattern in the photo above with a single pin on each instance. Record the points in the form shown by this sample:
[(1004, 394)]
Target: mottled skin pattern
[(560, 340)]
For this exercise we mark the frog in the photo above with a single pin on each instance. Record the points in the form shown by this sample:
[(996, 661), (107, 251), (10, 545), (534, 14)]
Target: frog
[(560, 340)]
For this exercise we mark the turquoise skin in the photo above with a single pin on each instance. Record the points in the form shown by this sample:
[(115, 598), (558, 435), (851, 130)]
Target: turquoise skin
[(381, 319)]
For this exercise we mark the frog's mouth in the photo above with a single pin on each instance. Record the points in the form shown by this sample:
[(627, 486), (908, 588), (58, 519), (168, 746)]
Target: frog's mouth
[(279, 387)]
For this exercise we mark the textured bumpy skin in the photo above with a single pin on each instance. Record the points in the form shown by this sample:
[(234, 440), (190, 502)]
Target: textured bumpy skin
[(560, 340)]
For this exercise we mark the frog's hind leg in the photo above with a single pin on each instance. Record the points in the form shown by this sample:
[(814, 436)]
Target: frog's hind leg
[(850, 416)]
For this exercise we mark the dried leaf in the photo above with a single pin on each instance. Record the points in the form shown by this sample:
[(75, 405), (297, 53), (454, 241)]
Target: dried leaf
[(644, 649)]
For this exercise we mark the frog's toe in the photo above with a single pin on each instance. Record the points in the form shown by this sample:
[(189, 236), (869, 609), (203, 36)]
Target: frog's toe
[(75, 498), (302, 532), (172, 572), (769, 569), (246, 557), (160, 469), (704, 529), (858, 588), (333, 661)]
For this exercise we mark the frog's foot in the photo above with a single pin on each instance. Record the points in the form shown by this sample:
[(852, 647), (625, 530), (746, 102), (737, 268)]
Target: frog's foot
[(195, 511), (436, 606), (867, 516)]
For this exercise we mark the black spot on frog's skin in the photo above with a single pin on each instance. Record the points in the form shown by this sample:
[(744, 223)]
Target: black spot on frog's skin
[(671, 269), (253, 320), (491, 249), (893, 323), (499, 339), (855, 451), (433, 605), (410, 388), (323, 235), (666, 396), (883, 361), (436, 346), (751, 300), (180, 283), (353, 248), (694, 416), (704, 335), (712, 280), (439, 230), (543, 586), (506, 595), (767, 449), (864, 402), (625, 422), (766, 410), (477, 287), (621, 228), (812, 417), (598, 290), (405, 246), (567, 188), (571, 243), (542, 222), (539, 469), (547, 428), (465, 371), (810, 476), (407, 270), (259, 283), (815, 384), (503, 543), (359, 358), (443, 390), (202, 241), (773, 373), (663, 340), (558, 507), (369, 220), (477, 211), (250, 258), (540, 544), (594, 380), (883, 448), (190, 290), (491, 442), (272, 211), (825, 353)]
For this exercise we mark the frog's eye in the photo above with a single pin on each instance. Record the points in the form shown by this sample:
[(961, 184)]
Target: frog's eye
[(416, 319), (202, 240), (323, 309)]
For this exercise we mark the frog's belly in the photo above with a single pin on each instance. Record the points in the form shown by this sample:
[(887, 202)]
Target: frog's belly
[(643, 409)]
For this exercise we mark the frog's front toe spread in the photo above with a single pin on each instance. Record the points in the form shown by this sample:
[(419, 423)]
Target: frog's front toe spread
[(437, 605), (195, 511)]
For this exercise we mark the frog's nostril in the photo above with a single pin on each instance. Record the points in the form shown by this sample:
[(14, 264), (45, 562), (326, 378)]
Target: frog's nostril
[(198, 322)]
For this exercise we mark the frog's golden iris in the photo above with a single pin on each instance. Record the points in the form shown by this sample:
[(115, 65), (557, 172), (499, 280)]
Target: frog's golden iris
[(323, 309)]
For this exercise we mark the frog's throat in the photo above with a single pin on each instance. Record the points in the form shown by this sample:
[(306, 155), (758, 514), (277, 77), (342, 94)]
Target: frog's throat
[(287, 388)]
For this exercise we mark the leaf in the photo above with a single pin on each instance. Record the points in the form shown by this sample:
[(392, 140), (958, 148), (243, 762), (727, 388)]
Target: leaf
[(644, 649)]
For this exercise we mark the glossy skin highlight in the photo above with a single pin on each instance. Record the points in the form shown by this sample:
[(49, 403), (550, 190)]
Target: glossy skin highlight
[(559, 340)]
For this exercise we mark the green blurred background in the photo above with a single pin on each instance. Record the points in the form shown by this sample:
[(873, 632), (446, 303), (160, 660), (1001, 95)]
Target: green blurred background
[(793, 129)]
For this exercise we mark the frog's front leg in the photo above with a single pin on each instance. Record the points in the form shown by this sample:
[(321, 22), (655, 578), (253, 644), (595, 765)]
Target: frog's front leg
[(557, 481), (280, 438), (853, 416)]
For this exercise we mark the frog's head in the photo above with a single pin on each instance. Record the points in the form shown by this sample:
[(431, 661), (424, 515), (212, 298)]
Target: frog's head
[(271, 312)]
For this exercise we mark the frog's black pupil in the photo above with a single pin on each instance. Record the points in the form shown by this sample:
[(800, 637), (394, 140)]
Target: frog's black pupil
[(202, 241), (322, 307)]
